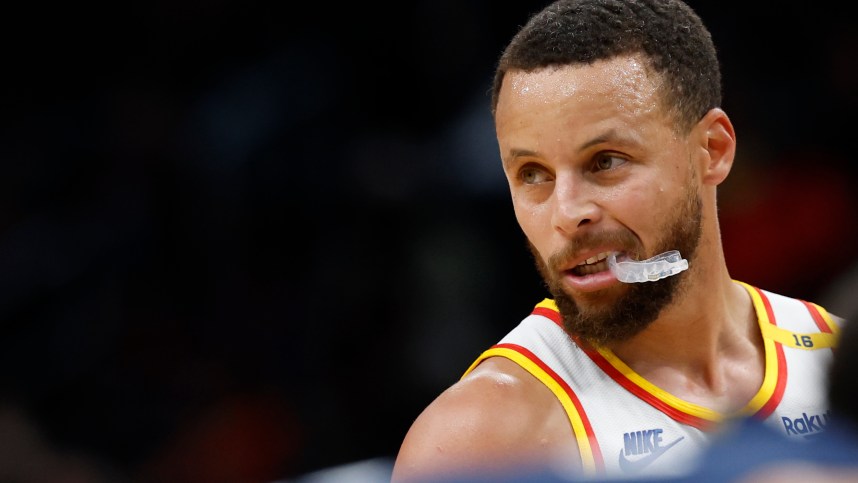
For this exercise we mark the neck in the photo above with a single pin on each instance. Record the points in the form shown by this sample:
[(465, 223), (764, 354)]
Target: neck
[(700, 345)]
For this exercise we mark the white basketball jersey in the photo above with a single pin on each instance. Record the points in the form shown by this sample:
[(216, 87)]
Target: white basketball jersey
[(625, 426)]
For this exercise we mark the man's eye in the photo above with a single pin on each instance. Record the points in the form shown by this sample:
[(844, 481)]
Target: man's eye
[(533, 175), (606, 162)]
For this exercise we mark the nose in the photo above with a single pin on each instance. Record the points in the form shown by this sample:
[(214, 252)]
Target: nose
[(575, 206)]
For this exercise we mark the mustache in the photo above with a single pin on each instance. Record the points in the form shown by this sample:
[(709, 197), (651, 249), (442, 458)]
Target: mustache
[(623, 239)]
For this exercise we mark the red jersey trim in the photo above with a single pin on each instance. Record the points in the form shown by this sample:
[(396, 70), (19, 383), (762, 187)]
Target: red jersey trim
[(591, 453), (780, 386)]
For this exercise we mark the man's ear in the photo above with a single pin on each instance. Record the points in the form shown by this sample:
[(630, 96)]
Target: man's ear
[(718, 142)]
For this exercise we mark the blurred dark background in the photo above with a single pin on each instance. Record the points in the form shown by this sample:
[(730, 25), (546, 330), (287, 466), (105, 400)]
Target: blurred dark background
[(246, 241)]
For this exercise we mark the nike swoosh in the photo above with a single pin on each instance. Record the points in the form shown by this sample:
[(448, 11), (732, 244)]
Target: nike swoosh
[(638, 465)]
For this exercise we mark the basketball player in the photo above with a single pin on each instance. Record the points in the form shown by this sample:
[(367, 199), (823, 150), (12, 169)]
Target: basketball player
[(613, 143)]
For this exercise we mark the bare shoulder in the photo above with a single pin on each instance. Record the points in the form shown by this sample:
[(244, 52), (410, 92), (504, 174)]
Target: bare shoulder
[(499, 412)]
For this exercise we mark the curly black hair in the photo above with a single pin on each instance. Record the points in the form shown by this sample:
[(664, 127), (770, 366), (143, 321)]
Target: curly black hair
[(668, 33)]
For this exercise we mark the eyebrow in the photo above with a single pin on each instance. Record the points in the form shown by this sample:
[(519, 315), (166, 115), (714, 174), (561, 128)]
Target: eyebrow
[(515, 153), (610, 135)]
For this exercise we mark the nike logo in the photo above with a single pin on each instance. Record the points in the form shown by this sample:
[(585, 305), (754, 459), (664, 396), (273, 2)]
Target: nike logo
[(639, 464)]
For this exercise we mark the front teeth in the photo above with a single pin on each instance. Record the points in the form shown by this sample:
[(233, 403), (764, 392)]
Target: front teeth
[(595, 259)]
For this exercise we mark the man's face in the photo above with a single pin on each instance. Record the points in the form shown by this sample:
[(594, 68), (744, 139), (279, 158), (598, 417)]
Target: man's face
[(594, 166)]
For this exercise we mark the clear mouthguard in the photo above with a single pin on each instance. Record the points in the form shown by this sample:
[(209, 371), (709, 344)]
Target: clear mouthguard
[(649, 270)]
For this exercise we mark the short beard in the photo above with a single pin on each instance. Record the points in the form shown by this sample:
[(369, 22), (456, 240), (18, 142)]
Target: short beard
[(641, 304)]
